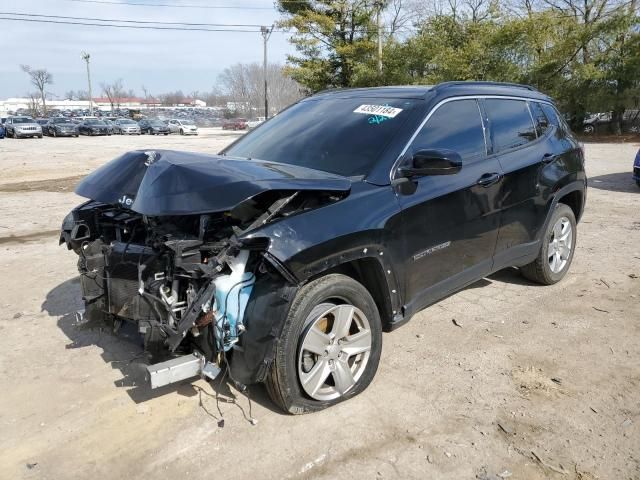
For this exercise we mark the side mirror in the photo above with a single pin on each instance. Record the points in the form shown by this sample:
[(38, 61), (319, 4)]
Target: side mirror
[(432, 162)]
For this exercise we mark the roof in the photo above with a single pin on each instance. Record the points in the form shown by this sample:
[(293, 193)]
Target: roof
[(442, 89)]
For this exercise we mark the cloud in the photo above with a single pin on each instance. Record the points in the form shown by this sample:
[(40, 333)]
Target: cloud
[(161, 60)]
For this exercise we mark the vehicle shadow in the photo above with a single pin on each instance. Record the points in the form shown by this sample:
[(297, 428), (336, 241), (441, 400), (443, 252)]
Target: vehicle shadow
[(511, 275), (124, 351), (614, 182)]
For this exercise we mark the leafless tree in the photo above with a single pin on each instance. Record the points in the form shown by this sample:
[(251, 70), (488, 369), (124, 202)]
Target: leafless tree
[(479, 10), (172, 98), (113, 91), (244, 84), (397, 16), (40, 78), (34, 104)]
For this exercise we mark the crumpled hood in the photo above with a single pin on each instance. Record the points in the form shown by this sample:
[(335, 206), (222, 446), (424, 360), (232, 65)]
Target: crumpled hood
[(166, 182)]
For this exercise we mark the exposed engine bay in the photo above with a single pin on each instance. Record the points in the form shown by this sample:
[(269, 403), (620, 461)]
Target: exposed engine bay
[(184, 279)]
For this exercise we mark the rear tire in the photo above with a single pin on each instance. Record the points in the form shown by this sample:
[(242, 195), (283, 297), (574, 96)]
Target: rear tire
[(558, 247), (312, 309)]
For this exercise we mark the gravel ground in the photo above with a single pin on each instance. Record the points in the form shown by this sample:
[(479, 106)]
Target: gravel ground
[(533, 382)]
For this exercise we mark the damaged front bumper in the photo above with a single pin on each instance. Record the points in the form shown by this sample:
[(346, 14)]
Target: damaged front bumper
[(181, 368), (197, 294)]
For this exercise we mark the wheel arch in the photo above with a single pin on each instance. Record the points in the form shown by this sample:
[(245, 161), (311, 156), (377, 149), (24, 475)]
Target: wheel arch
[(575, 200), (369, 272), (573, 195)]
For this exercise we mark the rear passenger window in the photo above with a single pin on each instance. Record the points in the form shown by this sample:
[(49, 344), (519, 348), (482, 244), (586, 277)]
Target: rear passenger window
[(510, 123), (456, 126), (550, 113), (539, 117)]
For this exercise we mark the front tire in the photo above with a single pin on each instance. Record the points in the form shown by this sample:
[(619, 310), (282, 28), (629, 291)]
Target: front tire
[(330, 346), (558, 246)]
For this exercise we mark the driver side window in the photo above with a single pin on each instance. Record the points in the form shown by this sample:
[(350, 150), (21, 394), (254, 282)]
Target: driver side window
[(457, 126)]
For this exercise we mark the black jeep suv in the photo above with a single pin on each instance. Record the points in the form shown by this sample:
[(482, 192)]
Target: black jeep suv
[(283, 258)]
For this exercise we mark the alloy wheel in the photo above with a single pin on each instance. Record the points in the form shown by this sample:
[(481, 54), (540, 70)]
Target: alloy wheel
[(560, 242), (334, 350)]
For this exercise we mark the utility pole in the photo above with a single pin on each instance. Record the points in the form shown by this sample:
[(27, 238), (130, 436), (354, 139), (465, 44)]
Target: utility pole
[(379, 5), (266, 33), (86, 57)]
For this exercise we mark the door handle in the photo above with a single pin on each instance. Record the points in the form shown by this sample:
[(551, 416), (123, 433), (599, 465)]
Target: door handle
[(548, 157), (489, 179)]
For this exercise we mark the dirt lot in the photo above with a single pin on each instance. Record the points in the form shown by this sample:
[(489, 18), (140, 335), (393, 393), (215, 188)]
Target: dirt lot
[(533, 382)]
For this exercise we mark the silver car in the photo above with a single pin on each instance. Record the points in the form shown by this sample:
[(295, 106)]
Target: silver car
[(124, 126), (22, 127), (183, 127)]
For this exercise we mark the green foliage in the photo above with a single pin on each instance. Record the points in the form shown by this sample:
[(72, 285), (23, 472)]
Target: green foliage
[(332, 38), (585, 54)]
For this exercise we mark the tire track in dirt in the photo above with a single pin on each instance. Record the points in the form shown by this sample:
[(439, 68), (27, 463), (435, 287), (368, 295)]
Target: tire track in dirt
[(29, 237), (65, 184)]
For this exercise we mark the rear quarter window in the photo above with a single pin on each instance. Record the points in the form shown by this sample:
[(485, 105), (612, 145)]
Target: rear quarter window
[(511, 123)]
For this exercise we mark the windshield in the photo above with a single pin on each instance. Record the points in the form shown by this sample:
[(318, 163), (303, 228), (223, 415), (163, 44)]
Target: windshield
[(95, 122), (346, 136), (22, 120), (61, 120), (125, 122), (156, 123)]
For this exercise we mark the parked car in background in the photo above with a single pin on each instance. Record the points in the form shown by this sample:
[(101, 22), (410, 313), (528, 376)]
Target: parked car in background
[(126, 126), (251, 124), (602, 122), (235, 124), (636, 169), (153, 127), (287, 255), (60, 127), (93, 127), (2, 130), (22, 127), (110, 125), (42, 122), (183, 127)]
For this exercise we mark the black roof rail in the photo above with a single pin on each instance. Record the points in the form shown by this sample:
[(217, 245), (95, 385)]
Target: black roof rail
[(492, 84)]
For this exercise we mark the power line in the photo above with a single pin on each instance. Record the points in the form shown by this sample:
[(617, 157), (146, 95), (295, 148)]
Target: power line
[(63, 22), (131, 21), (143, 24), (248, 7), (111, 2)]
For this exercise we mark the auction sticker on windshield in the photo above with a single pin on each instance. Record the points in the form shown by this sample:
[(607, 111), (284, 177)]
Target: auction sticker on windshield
[(381, 110)]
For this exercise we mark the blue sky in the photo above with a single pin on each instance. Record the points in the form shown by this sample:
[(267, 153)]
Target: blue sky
[(160, 60)]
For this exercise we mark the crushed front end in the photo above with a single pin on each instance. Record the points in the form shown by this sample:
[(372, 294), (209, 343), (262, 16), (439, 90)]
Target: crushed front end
[(184, 279)]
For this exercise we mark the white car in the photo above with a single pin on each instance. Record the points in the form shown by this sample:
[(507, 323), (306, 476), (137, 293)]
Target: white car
[(254, 123), (183, 127)]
